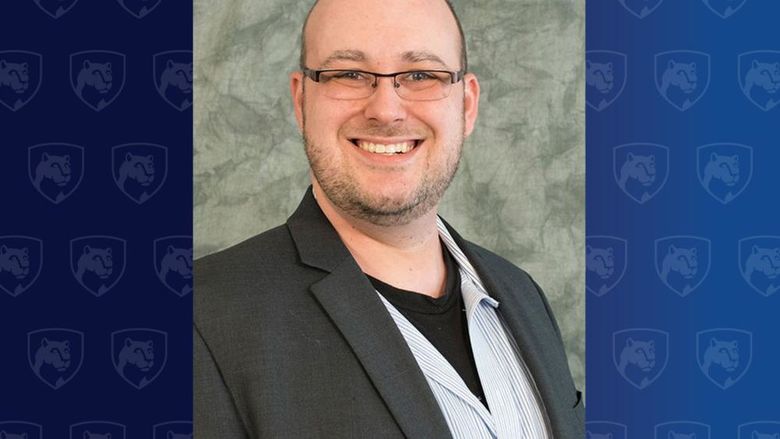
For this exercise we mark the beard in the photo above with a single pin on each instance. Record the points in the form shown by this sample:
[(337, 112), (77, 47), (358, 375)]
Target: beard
[(335, 179)]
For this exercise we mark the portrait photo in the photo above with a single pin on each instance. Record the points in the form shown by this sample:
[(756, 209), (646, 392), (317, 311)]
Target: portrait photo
[(495, 132)]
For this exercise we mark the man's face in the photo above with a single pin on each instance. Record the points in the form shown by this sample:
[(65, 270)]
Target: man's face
[(385, 189)]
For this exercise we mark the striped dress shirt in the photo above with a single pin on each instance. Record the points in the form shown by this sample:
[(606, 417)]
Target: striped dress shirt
[(516, 410)]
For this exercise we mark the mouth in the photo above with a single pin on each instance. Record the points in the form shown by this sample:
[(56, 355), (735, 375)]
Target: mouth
[(388, 148)]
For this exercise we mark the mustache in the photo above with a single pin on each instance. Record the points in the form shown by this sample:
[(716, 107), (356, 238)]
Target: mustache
[(386, 131)]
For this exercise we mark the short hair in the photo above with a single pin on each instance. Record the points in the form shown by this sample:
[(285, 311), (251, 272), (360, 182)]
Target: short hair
[(463, 55)]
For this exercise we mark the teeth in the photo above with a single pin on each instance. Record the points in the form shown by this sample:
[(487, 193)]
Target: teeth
[(379, 148)]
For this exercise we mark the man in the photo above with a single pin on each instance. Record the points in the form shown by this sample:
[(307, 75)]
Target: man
[(366, 316)]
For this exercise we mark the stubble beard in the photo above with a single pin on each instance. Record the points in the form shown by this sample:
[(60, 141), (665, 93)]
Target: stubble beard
[(345, 193)]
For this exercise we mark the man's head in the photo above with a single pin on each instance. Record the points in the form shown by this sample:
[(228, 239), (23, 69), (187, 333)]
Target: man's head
[(343, 136)]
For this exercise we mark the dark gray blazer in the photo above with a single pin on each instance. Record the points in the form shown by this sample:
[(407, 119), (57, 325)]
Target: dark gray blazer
[(291, 341)]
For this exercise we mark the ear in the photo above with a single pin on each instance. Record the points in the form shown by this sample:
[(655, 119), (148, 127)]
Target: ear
[(470, 103), (296, 92)]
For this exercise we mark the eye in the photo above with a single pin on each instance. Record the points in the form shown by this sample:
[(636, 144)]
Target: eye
[(420, 76), (349, 75)]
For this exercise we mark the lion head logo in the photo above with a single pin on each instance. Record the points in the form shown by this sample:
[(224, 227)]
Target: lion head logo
[(97, 77), (682, 77)]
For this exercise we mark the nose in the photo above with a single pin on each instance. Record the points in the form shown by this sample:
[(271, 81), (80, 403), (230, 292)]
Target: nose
[(385, 106)]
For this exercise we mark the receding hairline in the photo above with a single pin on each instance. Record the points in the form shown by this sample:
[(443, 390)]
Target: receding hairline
[(462, 38)]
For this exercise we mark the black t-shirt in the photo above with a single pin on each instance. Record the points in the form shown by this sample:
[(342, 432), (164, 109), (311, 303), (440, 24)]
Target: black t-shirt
[(441, 320)]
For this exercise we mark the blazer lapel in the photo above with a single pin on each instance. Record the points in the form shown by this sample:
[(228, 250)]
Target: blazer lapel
[(350, 301)]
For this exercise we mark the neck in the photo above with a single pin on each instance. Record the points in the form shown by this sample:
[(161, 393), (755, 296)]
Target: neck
[(407, 256)]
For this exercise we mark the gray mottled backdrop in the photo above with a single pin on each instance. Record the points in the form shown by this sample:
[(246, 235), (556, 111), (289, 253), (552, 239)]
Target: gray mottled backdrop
[(520, 190)]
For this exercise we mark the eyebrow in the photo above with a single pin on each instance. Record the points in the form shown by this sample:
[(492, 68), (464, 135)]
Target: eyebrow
[(344, 55), (420, 56), (412, 56)]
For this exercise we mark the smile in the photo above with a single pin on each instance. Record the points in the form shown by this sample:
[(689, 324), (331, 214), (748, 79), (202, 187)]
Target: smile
[(401, 147)]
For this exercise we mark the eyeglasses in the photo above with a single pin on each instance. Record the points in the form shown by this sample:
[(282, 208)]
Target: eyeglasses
[(412, 85)]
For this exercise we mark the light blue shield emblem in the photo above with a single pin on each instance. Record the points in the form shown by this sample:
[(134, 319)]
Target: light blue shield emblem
[(98, 430), (641, 169), (724, 169), (724, 354), (55, 169), (641, 8), (682, 77), (139, 169), (97, 77), (640, 355), (55, 8), (682, 430), (21, 259), (724, 8), (139, 355), (759, 263), (606, 258), (20, 77), (173, 77), (759, 430), (605, 430), (606, 75), (173, 263), (759, 77), (20, 429), (98, 262), (55, 354), (139, 8), (682, 262), (173, 430)]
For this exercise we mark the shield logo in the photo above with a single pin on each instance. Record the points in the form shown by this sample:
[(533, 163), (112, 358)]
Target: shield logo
[(55, 169), (55, 8), (98, 262), (724, 354), (139, 169), (682, 77), (759, 430), (724, 8), (682, 430), (139, 355), (97, 430), (173, 77), (173, 263), (641, 169), (97, 77), (21, 259), (605, 430), (606, 75), (724, 169), (640, 355), (682, 262), (20, 429), (641, 8), (21, 72), (759, 263), (139, 8), (759, 77), (606, 258), (173, 430), (55, 354)]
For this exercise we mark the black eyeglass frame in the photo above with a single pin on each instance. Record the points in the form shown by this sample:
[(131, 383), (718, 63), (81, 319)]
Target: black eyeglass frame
[(314, 75)]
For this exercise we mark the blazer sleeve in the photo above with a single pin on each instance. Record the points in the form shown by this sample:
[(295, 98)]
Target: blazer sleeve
[(214, 412)]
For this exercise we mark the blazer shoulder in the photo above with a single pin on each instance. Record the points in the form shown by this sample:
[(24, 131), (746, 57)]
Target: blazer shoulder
[(252, 255), (255, 273)]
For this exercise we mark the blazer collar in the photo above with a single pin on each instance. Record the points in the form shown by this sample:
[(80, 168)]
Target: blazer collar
[(348, 298)]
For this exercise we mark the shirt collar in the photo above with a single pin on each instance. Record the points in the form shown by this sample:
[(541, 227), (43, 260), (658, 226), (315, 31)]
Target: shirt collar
[(471, 286)]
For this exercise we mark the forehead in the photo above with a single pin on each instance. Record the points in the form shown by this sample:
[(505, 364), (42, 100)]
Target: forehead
[(385, 32)]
